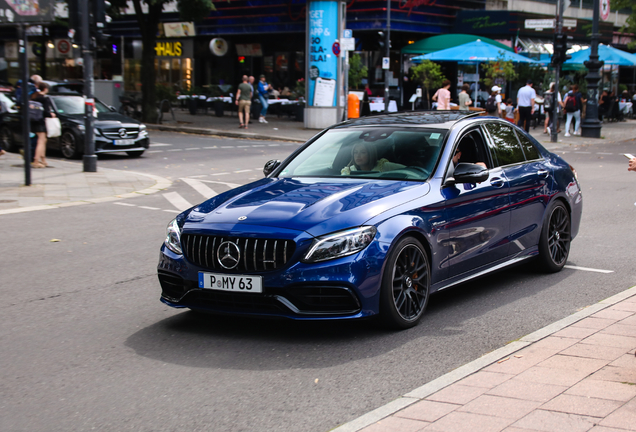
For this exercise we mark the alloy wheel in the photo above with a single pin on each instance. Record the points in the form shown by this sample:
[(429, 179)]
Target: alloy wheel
[(559, 235), (410, 282)]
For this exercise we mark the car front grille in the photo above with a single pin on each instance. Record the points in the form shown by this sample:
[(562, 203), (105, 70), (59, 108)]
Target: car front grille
[(114, 133), (255, 255)]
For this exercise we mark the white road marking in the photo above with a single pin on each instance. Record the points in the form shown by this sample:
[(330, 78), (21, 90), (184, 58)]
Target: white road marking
[(154, 144), (588, 269), (230, 185), (198, 176), (193, 148), (273, 145), (263, 145), (243, 146), (604, 153), (584, 152), (149, 208), (216, 174), (172, 211), (171, 150), (125, 204), (242, 171), (213, 147), (154, 151), (227, 146), (198, 186), (177, 200)]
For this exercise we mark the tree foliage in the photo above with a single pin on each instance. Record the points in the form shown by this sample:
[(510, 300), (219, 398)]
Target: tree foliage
[(629, 7), (429, 74), (189, 10), (498, 69), (357, 71)]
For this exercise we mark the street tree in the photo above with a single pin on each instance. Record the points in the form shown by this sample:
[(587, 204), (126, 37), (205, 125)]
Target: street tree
[(357, 71), (189, 10), (498, 70), (430, 75), (629, 6)]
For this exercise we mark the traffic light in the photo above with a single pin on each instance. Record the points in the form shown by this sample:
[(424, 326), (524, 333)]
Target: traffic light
[(96, 20), (99, 20), (561, 45)]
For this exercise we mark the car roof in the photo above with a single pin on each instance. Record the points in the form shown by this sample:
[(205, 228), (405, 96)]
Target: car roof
[(435, 119)]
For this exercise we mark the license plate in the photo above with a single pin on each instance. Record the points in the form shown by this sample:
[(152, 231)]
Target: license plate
[(123, 142), (236, 283)]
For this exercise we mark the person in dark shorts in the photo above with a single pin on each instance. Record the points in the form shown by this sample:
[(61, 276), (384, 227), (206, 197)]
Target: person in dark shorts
[(39, 127)]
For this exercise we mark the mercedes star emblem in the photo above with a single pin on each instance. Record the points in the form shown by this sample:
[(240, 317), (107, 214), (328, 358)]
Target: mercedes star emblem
[(122, 133), (242, 218), (228, 255)]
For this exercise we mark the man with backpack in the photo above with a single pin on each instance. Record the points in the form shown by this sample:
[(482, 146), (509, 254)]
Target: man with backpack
[(572, 105), (493, 103), (525, 105)]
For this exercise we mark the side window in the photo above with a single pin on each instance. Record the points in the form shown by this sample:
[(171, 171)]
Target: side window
[(529, 149), (505, 144), (473, 149)]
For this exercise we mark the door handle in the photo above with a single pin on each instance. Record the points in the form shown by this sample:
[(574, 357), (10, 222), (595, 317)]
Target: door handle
[(543, 173), (496, 182)]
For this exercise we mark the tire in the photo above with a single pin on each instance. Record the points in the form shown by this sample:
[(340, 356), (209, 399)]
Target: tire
[(135, 154), (6, 139), (70, 145), (554, 244), (405, 285)]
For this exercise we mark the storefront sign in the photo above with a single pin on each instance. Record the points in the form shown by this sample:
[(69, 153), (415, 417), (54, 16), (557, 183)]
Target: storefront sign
[(179, 29), (168, 49), (249, 50), (13, 11), (323, 34), (605, 9), (218, 47)]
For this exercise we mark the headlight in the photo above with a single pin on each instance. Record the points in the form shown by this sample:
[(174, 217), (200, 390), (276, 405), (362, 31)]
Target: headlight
[(142, 128), (173, 237), (80, 127), (340, 244)]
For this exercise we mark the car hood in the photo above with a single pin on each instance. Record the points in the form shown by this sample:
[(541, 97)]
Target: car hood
[(317, 206), (109, 120)]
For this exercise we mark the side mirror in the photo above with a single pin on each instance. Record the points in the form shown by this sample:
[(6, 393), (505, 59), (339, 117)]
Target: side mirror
[(468, 173), (270, 166), (112, 108)]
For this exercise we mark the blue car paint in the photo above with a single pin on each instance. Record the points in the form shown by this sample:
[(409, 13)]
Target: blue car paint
[(450, 221)]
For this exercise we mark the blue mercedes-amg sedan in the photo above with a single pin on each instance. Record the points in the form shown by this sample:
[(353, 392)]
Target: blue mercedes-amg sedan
[(372, 216)]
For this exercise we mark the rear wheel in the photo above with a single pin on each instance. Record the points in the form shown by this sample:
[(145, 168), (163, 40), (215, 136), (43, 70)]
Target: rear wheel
[(405, 284), (70, 145), (135, 154), (554, 245)]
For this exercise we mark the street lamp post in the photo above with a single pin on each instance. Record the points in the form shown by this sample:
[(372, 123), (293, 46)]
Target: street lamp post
[(591, 126)]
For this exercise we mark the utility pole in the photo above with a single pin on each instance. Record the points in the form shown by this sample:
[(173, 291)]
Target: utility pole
[(90, 159), (557, 60), (24, 102), (591, 126), (388, 54)]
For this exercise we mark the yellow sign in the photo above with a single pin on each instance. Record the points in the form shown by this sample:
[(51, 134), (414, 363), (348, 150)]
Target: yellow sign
[(168, 49)]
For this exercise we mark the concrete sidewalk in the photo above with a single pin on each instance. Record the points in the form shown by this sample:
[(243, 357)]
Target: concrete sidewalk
[(287, 129), (65, 184), (576, 375)]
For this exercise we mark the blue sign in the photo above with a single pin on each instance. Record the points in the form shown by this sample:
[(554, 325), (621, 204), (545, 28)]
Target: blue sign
[(323, 33)]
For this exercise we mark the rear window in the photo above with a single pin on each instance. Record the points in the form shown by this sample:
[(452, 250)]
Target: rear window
[(529, 149), (505, 144), (384, 153)]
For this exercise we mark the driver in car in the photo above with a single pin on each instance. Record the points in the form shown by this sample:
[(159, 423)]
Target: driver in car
[(364, 157)]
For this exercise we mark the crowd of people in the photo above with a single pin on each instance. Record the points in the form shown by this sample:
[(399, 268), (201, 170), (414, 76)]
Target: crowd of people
[(528, 103)]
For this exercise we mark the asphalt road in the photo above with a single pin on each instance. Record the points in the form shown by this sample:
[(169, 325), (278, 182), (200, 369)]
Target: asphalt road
[(86, 344)]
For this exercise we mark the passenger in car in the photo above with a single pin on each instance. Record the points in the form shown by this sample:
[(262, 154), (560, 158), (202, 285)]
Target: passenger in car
[(364, 157)]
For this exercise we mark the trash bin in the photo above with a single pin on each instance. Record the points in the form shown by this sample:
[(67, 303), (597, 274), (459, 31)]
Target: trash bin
[(353, 106), (192, 105), (219, 107), (255, 112)]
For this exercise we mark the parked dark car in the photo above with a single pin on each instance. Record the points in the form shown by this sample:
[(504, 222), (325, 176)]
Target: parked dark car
[(449, 197), (114, 132)]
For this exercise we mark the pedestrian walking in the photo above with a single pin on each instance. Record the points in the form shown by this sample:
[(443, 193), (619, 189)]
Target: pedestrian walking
[(525, 105), (510, 111), (501, 107), (464, 98), (548, 101), (244, 102), (492, 107), (573, 103), (38, 125), (442, 96), (263, 96)]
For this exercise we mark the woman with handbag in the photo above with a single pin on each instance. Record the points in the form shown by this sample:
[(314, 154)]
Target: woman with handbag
[(38, 126)]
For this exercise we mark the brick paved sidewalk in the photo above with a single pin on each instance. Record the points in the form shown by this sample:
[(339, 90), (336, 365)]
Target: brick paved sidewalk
[(576, 375)]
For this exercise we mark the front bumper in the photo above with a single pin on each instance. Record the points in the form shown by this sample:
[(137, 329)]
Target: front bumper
[(343, 288), (104, 145)]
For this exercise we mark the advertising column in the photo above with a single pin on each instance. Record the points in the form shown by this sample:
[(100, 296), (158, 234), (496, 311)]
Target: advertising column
[(325, 21)]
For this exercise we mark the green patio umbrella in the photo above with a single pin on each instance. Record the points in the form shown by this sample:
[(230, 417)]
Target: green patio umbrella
[(441, 42)]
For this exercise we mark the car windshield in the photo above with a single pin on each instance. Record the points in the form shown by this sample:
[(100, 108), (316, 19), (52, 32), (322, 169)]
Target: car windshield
[(378, 152), (75, 105)]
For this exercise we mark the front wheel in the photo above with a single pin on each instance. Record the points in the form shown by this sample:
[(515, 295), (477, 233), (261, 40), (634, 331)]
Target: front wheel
[(554, 245), (405, 284), (70, 145), (6, 139)]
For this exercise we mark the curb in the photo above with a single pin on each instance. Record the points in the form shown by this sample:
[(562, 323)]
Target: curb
[(161, 183), (468, 369), (223, 133)]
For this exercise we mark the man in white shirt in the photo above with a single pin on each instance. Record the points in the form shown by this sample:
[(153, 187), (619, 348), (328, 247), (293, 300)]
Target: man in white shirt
[(498, 100), (525, 104)]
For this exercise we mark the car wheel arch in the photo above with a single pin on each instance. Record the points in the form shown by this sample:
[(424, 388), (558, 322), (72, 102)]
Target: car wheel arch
[(416, 233)]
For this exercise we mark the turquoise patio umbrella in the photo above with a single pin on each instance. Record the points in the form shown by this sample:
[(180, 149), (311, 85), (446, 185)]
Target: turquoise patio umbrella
[(477, 51), (610, 55)]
